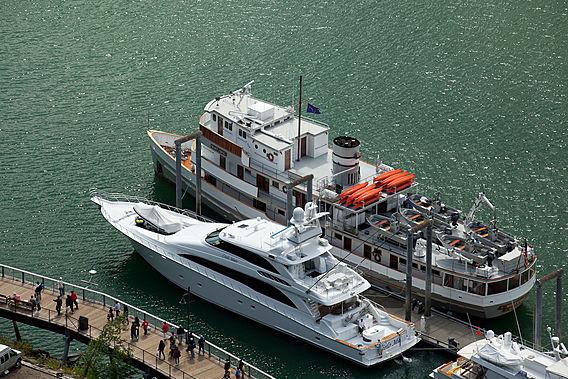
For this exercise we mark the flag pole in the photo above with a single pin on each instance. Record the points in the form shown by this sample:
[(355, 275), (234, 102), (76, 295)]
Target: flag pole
[(299, 117)]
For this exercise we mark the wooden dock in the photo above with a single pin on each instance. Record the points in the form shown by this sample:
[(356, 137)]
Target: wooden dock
[(439, 327), (94, 306)]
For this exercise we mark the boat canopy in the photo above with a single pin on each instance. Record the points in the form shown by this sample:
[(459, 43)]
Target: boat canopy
[(158, 217)]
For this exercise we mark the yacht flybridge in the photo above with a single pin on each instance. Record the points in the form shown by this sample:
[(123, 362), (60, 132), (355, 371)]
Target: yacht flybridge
[(251, 150), (282, 277)]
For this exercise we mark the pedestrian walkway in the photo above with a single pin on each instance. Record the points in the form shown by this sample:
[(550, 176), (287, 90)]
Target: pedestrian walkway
[(93, 305)]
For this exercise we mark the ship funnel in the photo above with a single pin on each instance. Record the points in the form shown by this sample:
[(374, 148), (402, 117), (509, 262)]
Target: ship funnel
[(346, 160)]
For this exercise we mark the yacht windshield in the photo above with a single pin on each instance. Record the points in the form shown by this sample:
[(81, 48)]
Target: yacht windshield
[(213, 238)]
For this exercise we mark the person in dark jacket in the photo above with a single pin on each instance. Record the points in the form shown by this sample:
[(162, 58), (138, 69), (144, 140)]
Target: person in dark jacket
[(133, 331), (58, 305), (68, 303), (161, 348), (201, 343)]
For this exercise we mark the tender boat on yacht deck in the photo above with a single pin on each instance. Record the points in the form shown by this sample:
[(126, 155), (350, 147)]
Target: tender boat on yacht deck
[(282, 277)]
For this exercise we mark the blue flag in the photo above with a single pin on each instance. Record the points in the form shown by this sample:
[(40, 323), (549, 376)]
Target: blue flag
[(312, 109)]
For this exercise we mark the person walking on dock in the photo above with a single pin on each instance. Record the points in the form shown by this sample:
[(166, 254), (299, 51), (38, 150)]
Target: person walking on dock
[(74, 299), (176, 354), (110, 315), (133, 331), (241, 366), (145, 326), (137, 323), (180, 332), (165, 328), (191, 347), (61, 286), (38, 301), (38, 290), (161, 348), (228, 367), (68, 303), (58, 305), (117, 308), (201, 343), (32, 303)]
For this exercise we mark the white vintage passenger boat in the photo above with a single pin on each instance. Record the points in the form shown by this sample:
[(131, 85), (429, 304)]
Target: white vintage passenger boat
[(282, 277), (251, 149)]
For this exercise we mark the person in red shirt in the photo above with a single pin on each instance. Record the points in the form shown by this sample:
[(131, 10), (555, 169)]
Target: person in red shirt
[(145, 326), (74, 298), (165, 328)]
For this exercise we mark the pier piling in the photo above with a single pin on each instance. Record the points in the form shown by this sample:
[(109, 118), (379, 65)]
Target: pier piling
[(538, 306)]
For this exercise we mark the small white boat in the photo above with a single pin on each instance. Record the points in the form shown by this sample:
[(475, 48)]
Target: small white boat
[(501, 357), (282, 277)]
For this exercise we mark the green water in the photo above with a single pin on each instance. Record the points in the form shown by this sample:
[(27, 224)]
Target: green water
[(470, 96)]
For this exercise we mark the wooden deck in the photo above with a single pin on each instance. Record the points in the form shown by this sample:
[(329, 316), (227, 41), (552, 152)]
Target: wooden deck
[(143, 351)]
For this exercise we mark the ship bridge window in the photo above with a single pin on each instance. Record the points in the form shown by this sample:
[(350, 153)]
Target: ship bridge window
[(255, 259), (514, 281), (255, 284), (476, 287), (497, 287)]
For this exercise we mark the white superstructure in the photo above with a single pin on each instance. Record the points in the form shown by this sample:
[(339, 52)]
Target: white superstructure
[(284, 278)]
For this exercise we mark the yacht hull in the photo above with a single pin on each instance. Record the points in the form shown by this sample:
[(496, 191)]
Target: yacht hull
[(222, 295)]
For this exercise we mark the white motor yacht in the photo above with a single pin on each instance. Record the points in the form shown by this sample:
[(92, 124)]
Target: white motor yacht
[(281, 277), (499, 357)]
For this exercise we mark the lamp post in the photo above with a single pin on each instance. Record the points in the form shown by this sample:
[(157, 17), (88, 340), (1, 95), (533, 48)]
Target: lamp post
[(184, 301)]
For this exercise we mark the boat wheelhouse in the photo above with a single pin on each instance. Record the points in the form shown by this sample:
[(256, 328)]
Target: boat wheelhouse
[(252, 150)]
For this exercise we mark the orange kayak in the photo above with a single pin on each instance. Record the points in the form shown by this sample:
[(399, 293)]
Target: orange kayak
[(385, 175), (401, 186), (352, 189), (399, 181), (392, 178), (368, 201)]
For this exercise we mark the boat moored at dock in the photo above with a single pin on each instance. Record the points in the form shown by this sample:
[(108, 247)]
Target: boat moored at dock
[(282, 277), (252, 150)]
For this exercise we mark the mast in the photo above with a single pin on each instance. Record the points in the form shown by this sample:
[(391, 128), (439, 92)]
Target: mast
[(299, 117)]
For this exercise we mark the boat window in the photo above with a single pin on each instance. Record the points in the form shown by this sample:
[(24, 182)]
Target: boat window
[(435, 272), (255, 284), (214, 117), (460, 283), (497, 287), (476, 287), (514, 281), (247, 255), (525, 277), (338, 236), (272, 277), (402, 261), (275, 184), (448, 280)]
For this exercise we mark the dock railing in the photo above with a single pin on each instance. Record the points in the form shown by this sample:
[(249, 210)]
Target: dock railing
[(155, 322)]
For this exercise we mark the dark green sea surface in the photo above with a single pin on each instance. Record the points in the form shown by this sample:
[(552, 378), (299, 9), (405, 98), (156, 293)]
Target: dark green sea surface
[(469, 96)]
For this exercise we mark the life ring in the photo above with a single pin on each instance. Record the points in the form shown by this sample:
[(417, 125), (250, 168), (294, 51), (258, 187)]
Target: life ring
[(270, 157), (285, 188), (377, 256)]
